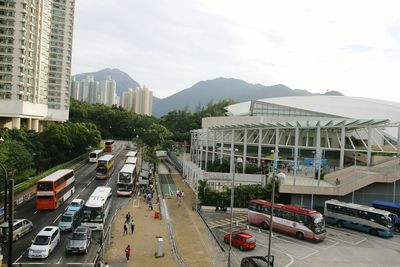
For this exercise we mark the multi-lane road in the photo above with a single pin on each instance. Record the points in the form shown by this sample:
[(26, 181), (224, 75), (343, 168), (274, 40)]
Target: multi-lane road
[(85, 185)]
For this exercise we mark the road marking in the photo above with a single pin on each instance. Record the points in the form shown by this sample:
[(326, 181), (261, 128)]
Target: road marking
[(58, 262), (57, 218), (16, 261), (283, 252), (35, 212)]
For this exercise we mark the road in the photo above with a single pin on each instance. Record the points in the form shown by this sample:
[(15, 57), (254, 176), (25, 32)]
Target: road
[(85, 185)]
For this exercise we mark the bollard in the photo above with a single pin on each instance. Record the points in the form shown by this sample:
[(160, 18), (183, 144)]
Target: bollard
[(156, 214)]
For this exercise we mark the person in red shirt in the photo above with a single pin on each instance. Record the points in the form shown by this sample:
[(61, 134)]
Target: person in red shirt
[(127, 252)]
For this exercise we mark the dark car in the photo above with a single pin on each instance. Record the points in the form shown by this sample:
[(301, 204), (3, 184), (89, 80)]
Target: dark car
[(241, 240), (256, 261), (80, 240)]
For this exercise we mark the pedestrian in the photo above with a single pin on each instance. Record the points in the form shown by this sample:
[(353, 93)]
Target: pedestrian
[(158, 199), (132, 226), (128, 217), (127, 252), (151, 205), (125, 228), (106, 265), (182, 195)]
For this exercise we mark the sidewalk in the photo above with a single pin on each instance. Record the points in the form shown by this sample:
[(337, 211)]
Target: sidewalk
[(194, 244), (143, 240)]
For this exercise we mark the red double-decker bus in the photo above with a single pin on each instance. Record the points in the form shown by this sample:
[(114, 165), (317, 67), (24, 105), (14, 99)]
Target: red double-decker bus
[(289, 219), (109, 144), (53, 190)]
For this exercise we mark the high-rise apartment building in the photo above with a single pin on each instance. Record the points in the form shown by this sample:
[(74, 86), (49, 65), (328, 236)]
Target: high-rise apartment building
[(35, 59), (139, 100), (62, 23), (89, 90), (108, 91)]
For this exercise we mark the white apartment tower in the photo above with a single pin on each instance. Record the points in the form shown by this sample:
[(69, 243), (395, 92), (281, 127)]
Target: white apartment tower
[(89, 90), (108, 91), (35, 59), (62, 24), (139, 100)]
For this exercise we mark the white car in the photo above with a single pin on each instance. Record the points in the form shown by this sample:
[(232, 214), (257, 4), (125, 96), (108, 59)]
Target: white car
[(45, 242)]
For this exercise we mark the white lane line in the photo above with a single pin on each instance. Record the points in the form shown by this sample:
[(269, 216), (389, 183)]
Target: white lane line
[(85, 187), (58, 262), (16, 261), (283, 252), (334, 244), (35, 212), (56, 219), (297, 244)]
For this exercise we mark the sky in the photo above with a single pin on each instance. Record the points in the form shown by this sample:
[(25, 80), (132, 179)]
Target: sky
[(169, 45)]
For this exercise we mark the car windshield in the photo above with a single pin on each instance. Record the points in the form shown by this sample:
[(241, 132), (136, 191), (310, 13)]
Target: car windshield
[(79, 236), (41, 240), (74, 204), (92, 215), (66, 219), (45, 186)]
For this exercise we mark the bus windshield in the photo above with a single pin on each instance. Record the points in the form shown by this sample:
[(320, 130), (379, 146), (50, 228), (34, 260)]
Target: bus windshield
[(93, 155), (45, 186), (319, 224), (101, 164), (124, 177), (92, 215)]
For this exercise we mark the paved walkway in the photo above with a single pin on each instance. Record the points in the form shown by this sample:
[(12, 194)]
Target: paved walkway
[(193, 242)]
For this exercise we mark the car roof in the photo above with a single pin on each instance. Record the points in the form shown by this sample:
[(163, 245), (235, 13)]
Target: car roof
[(81, 229), (48, 230), (69, 213), (244, 234)]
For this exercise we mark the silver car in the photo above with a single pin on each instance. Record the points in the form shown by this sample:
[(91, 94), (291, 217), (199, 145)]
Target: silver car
[(80, 240)]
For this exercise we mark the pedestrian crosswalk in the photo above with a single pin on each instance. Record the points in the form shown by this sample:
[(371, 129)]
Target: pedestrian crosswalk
[(227, 221)]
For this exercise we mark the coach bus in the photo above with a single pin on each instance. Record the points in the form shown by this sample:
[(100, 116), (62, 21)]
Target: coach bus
[(126, 180), (293, 220), (97, 208), (108, 145), (389, 206), (131, 154), (359, 217), (53, 190), (95, 155), (105, 167), (131, 160)]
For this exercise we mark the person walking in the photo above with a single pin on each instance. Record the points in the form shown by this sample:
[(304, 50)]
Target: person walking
[(183, 195), (125, 228), (132, 226), (127, 252), (128, 217)]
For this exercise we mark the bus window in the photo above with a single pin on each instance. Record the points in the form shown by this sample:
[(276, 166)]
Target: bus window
[(45, 186)]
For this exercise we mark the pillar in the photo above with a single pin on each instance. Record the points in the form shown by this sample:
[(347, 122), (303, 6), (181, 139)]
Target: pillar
[(369, 145), (259, 147), (342, 145), (244, 150), (16, 123)]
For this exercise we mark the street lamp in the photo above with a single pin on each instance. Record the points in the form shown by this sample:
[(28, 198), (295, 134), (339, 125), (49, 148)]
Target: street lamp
[(238, 161)]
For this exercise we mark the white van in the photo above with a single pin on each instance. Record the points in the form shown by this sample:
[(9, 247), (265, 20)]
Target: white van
[(21, 228), (45, 242)]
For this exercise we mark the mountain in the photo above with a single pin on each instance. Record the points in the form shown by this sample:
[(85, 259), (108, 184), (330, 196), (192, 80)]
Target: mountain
[(222, 88), (123, 80)]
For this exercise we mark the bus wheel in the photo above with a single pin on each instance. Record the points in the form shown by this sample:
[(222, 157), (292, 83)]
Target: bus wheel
[(373, 232), (264, 225), (339, 224), (300, 235)]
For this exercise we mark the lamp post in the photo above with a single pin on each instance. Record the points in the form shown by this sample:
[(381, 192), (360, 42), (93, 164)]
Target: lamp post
[(239, 160)]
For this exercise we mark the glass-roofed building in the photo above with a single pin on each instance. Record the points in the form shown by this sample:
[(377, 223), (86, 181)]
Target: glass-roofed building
[(327, 147)]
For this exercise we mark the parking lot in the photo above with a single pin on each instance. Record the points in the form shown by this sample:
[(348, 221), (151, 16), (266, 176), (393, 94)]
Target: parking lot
[(342, 247)]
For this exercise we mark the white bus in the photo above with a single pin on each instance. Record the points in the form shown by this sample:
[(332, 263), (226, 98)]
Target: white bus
[(131, 160), (97, 207), (126, 180), (358, 217), (131, 154), (94, 155)]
